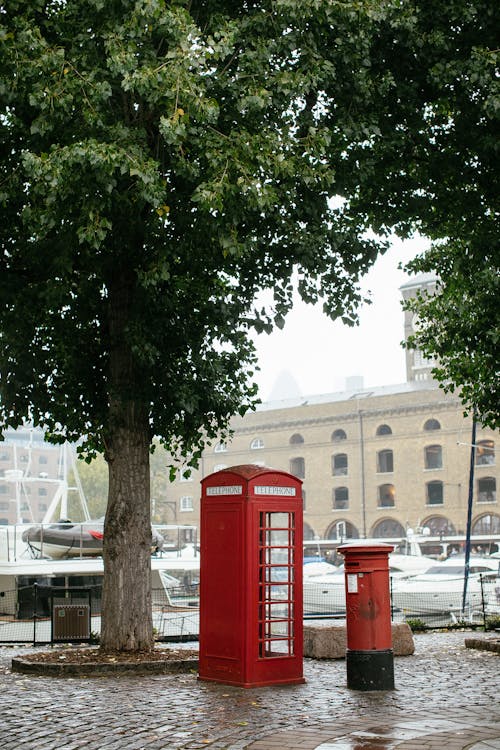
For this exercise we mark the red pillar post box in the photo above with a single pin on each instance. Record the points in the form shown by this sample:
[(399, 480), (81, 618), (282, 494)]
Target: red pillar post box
[(251, 628), (369, 656)]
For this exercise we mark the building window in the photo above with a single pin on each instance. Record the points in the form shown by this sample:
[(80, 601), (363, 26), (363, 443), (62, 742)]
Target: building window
[(42, 507), (385, 462), (485, 453), (384, 429), (256, 444), (42, 459), (386, 495), (23, 458), (340, 498), (185, 474), (488, 524), (388, 529), (434, 493), (339, 465), (439, 525), (487, 490), (220, 448), (4, 505), (186, 503), (4, 456), (432, 424), (296, 439), (3, 489), (433, 455), (298, 467), (338, 435), (342, 530), (42, 491)]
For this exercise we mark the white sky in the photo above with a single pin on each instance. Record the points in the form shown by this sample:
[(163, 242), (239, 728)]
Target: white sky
[(314, 355)]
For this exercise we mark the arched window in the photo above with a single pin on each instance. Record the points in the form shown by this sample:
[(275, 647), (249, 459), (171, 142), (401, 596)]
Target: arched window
[(388, 529), (256, 444), (433, 456), (432, 424), (385, 461), (435, 494), (298, 467), (487, 524), (296, 439), (386, 495), (339, 435), (485, 453), (487, 490), (341, 530), (438, 525), (339, 465), (220, 448), (308, 532), (384, 429), (340, 498)]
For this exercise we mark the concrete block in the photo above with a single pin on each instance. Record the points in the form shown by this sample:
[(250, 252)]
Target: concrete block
[(326, 641)]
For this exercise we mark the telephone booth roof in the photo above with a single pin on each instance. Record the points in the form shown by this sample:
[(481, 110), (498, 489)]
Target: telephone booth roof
[(250, 471)]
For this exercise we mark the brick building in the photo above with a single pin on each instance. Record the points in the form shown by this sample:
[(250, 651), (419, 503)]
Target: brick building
[(374, 461)]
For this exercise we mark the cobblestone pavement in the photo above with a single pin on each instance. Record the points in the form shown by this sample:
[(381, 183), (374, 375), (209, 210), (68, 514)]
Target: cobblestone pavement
[(446, 696)]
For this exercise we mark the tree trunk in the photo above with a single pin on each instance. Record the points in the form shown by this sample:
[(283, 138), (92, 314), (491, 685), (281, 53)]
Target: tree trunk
[(126, 602)]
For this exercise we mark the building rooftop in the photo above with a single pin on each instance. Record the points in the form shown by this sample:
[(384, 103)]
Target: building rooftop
[(349, 395)]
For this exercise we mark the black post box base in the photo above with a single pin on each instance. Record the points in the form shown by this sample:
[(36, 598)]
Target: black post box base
[(370, 670)]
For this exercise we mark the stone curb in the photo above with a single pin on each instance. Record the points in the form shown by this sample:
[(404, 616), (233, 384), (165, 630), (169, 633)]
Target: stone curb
[(483, 644), (95, 669), (326, 641)]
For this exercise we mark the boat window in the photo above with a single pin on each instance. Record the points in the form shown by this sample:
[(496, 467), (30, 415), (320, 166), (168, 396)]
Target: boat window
[(446, 570)]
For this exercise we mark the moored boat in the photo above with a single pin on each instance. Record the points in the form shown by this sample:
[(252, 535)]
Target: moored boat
[(325, 594), (66, 539), (440, 589)]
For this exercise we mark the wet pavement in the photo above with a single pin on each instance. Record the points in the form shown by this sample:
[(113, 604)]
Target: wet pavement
[(446, 696)]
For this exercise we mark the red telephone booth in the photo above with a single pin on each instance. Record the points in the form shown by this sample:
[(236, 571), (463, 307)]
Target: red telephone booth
[(251, 577), (369, 656)]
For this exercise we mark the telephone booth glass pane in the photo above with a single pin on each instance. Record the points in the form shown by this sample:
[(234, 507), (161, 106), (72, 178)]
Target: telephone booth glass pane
[(276, 584)]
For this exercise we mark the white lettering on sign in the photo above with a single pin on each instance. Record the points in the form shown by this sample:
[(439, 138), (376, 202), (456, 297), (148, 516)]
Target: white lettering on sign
[(235, 489), (264, 490), (352, 583)]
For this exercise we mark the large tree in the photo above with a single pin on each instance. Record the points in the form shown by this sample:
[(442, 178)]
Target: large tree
[(161, 163)]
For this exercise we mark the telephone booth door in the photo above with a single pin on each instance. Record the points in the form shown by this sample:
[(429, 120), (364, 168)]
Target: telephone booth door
[(277, 584)]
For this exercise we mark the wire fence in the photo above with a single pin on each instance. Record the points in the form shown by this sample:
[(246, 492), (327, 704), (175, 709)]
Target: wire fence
[(49, 614), (39, 614)]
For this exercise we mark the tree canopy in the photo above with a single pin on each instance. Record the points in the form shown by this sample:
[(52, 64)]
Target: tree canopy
[(164, 161), (442, 117)]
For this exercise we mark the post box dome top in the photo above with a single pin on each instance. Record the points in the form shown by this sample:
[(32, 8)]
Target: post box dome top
[(249, 471), (365, 546)]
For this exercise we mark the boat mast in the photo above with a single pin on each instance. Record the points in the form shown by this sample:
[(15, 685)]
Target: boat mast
[(469, 509)]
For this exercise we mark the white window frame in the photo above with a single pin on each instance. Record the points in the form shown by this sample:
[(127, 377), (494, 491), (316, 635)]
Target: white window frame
[(186, 504)]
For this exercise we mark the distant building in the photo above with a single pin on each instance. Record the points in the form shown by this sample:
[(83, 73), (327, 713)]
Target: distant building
[(30, 474), (374, 461)]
